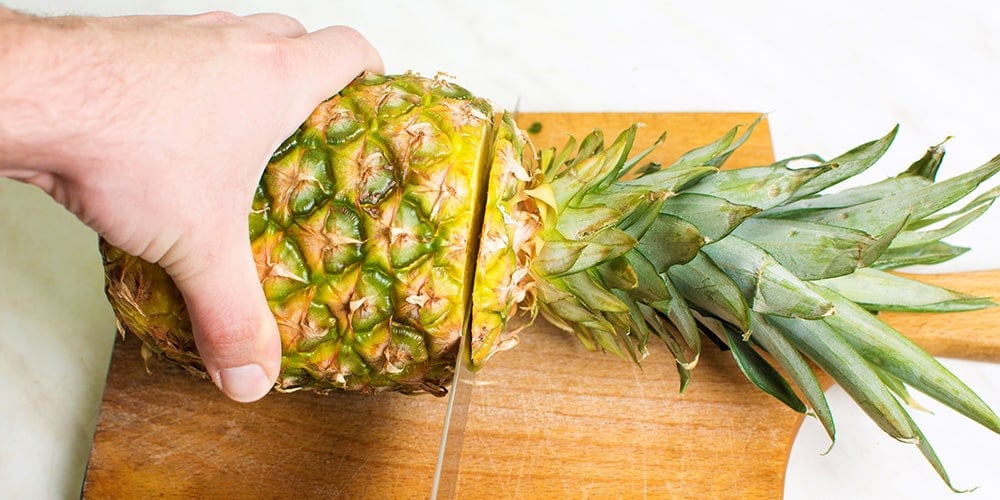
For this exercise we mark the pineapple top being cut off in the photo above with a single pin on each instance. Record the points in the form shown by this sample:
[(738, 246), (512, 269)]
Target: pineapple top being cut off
[(405, 213)]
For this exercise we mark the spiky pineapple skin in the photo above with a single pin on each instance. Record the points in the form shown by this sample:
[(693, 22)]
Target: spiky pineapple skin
[(365, 229)]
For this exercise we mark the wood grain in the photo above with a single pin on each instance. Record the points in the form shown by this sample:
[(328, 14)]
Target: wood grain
[(545, 419)]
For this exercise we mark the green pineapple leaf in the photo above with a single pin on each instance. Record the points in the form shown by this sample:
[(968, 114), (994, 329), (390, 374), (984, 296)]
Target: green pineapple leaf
[(812, 250), (670, 240), (761, 187), (879, 216), (632, 163), (798, 370), (882, 346), (714, 217), (708, 288), (882, 291), (761, 373), (825, 346), (768, 287), (927, 165), (918, 238), (927, 254), (850, 197), (985, 198), (677, 310), (848, 165), (717, 152)]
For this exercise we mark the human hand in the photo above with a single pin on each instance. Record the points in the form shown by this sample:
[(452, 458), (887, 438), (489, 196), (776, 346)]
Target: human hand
[(154, 132)]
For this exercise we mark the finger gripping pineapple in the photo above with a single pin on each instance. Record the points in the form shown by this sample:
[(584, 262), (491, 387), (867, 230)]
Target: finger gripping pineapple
[(406, 214)]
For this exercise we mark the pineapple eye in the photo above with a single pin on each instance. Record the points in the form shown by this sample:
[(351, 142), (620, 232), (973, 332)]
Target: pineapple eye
[(258, 213), (371, 304), (280, 264), (376, 177), (395, 102), (449, 90), (312, 183), (411, 237), (295, 184), (344, 238), (344, 127)]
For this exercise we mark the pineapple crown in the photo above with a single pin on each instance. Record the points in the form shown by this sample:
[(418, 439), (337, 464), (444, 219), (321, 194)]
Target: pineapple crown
[(763, 262)]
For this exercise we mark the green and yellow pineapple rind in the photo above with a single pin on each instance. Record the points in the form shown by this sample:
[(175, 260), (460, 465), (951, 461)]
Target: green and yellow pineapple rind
[(377, 194), (406, 213)]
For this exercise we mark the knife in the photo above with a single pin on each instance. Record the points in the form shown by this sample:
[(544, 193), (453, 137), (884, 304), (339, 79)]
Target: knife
[(445, 484)]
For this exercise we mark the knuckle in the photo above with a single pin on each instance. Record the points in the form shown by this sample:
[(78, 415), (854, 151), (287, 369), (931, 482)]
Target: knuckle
[(233, 338), (350, 38), (218, 17), (291, 24), (363, 53)]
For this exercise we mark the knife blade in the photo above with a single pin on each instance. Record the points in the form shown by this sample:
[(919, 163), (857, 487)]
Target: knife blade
[(445, 484)]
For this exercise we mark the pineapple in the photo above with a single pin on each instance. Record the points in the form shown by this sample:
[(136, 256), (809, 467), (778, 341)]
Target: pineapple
[(407, 214)]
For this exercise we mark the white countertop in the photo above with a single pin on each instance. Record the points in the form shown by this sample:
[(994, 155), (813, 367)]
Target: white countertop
[(829, 76)]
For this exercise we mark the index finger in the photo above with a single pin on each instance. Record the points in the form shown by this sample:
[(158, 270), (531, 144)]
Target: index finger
[(333, 57)]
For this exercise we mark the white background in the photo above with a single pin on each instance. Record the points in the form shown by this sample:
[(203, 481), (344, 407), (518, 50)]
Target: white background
[(830, 76)]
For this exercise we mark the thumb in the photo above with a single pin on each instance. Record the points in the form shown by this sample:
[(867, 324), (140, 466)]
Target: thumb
[(234, 329)]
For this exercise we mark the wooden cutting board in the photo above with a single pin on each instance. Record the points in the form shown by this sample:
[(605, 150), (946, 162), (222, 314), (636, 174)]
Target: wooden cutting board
[(545, 419)]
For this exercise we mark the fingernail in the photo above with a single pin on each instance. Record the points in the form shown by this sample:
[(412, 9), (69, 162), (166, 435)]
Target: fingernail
[(245, 383)]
